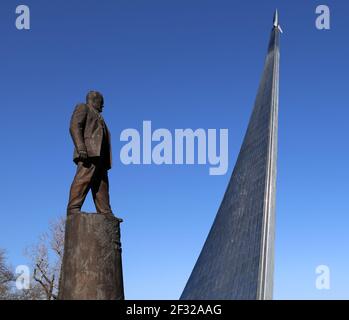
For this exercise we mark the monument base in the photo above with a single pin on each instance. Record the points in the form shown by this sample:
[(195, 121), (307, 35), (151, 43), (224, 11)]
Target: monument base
[(91, 267)]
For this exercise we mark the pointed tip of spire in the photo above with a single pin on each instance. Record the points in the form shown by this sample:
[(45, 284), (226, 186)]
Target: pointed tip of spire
[(276, 18)]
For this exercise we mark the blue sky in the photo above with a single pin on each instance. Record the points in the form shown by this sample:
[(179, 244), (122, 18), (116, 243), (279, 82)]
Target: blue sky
[(180, 64)]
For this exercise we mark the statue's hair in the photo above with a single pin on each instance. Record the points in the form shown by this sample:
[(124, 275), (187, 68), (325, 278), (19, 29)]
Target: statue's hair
[(92, 95)]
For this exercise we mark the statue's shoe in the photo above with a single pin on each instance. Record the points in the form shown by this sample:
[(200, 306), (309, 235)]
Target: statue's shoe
[(111, 215)]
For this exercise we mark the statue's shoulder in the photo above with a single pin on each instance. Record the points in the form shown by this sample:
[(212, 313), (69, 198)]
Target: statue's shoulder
[(80, 107)]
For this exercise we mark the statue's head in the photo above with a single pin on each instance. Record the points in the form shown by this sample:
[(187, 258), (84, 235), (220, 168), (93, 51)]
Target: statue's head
[(95, 100)]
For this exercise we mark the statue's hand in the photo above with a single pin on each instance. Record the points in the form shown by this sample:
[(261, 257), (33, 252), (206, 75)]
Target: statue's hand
[(83, 155)]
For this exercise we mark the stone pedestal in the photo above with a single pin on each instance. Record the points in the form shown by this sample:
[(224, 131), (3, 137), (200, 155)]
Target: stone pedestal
[(91, 267)]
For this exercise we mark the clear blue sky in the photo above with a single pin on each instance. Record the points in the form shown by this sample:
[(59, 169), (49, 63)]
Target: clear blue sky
[(180, 64)]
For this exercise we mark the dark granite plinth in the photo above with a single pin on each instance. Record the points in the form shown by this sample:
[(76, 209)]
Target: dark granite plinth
[(92, 267)]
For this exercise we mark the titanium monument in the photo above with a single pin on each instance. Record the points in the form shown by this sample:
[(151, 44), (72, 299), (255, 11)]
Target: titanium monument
[(237, 259)]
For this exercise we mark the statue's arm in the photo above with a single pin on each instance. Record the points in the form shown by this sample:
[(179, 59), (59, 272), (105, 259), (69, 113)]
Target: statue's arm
[(77, 127)]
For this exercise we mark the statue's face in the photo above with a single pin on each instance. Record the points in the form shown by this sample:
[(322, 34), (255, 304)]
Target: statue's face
[(98, 103)]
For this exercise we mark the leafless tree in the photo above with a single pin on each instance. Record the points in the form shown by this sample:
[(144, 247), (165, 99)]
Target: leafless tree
[(6, 277), (46, 259)]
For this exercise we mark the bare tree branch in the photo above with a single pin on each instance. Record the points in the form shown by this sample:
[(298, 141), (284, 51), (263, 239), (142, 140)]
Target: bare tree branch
[(46, 257), (6, 277)]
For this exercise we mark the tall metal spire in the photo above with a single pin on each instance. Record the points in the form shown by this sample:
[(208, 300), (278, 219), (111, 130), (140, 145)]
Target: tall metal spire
[(237, 259)]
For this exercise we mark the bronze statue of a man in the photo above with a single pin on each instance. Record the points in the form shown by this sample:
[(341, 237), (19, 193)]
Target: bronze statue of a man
[(92, 154)]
